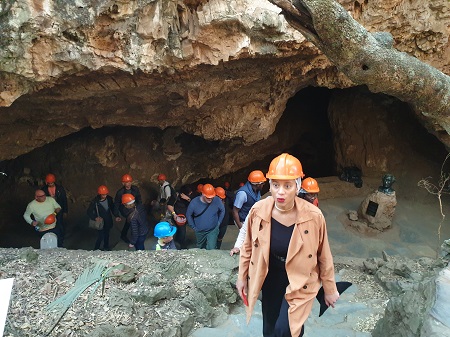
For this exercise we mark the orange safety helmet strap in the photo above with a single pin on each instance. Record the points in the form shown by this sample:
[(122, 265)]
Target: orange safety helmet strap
[(285, 167)]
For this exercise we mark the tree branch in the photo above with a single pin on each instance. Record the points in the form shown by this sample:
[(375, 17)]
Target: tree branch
[(370, 59)]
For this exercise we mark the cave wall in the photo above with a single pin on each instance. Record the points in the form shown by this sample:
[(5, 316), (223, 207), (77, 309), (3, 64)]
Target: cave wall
[(378, 134), (219, 70)]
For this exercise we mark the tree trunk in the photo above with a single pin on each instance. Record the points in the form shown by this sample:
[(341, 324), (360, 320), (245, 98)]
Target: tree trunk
[(370, 59)]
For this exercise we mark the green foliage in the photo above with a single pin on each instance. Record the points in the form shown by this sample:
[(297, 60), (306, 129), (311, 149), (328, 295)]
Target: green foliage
[(90, 276)]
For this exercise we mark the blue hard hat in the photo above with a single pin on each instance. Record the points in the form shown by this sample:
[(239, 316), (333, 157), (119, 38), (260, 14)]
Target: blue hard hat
[(164, 229)]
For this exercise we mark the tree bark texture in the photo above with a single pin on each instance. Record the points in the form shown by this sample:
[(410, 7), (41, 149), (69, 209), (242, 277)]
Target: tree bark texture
[(370, 58)]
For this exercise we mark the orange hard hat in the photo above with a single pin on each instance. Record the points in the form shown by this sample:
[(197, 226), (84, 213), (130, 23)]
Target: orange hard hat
[(256, 177), (128, 198), (285, 167), (226, 184), (200, 188), (310, 185), (50, 219), (208, 191), (220, 192), (126, 178), (102, 189), (180, 219), (50, 178), (162, 176)]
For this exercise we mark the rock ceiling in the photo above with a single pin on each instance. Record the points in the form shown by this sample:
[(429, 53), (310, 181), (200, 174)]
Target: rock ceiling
[(221, 70)]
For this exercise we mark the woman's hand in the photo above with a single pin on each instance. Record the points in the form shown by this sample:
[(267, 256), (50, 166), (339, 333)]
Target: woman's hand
[(98, 218), (331, 299), (241, 287), (234, 250)]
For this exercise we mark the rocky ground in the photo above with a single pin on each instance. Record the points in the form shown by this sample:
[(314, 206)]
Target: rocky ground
[(170, 293)]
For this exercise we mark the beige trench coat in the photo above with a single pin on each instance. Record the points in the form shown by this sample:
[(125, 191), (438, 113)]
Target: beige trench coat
[(308, 263)]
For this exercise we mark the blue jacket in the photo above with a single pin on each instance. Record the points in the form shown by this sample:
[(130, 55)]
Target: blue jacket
[(252, 198), (138, 223), (210, 219)]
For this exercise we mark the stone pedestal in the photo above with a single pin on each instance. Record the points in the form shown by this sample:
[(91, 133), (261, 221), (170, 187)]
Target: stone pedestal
[(378, 209)]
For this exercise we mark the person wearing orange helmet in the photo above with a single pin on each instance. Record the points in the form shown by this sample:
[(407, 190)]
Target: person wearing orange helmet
[(102, 206), (137, 218), (204, 215), (57, 192), (247, 195), (285, 254), (221, 193), (166, 191), (127, 188), (310, 191), (38, 211)]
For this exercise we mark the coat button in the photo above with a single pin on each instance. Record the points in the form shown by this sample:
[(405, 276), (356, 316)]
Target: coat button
[(306, 231), (251, 262), (304, 287), (256, 245), (248, 277), (310, 255)]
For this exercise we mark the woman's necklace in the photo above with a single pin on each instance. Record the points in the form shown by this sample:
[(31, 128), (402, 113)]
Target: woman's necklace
[(284, 210)]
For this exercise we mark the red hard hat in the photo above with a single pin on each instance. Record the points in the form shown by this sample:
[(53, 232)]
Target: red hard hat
[(226, 184), (256, 177), (102, 190), (200, 188), (128, 198), (180, 219), (220, 192), (241, 184), (208, 191), (50, 178), (51, 219), (162, 176), (126, 178)]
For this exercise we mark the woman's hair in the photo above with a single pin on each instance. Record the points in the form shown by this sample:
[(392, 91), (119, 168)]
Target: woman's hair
[(298, 182)]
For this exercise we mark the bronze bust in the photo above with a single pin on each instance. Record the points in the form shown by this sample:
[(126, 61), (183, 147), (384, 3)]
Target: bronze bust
[(388, 180)]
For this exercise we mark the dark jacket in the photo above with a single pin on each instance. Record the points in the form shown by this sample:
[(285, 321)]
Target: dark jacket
[(138, 223), (134, 190), (102, 213), (60, 197)]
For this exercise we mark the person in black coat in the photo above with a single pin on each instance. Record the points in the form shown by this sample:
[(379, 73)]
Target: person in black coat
[(106, 209), (127, 188), (57, 192)]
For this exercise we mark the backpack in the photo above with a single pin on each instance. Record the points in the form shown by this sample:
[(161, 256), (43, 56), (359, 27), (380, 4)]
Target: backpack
[(172, 191)]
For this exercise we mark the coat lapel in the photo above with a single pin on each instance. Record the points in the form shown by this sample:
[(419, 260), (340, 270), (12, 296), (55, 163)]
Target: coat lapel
[(296, 242)]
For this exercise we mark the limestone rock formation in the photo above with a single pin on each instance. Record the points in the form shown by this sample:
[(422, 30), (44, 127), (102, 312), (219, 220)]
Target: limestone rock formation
[(217, 69), (378, 210)]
